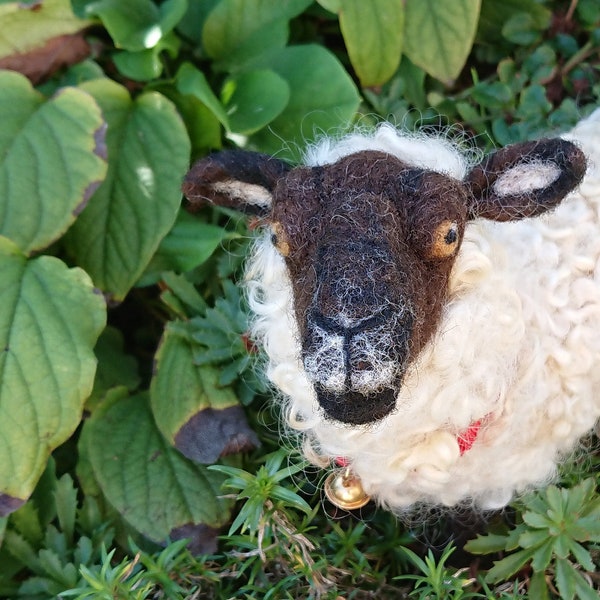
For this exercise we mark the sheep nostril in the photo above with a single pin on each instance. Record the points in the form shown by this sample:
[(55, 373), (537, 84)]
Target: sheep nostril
[(363, 365)]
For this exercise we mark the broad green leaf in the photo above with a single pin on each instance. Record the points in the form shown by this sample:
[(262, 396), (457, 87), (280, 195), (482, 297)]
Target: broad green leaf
[(24, 28), (138, 24), (202, 420), (323, 98), (49, 324), (52, 158), (373, 34), (144, 65), (438, 35), (191, 81), (191, 24), (238, 30), (116, 235), (115, 367), (331, 5), (157, 490), (253, 99), (189, 243)]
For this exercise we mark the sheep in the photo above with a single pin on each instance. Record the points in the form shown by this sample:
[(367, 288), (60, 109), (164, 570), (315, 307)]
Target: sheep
[(433, 323)]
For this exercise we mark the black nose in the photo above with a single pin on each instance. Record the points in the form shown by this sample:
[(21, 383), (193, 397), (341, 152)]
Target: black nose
[(354, 408)]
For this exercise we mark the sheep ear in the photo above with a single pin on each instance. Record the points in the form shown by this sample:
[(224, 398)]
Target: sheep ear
[(525, 180), (235, 178)]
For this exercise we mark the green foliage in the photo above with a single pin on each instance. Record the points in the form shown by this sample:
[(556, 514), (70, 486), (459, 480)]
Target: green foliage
[(436, 580), (262, 492), (106, 431), (51, 538), (556, 522)]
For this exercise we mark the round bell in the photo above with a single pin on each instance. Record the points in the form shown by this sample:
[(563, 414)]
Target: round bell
[(344, 490)]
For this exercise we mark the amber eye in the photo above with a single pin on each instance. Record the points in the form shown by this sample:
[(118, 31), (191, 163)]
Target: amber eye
[(279, 239), (446, 238)]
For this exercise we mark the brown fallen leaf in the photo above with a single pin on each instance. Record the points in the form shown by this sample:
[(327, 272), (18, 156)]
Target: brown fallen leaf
[(41, 63)]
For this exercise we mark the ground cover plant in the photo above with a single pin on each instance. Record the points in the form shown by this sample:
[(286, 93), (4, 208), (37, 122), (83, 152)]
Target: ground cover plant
[(140, 455)]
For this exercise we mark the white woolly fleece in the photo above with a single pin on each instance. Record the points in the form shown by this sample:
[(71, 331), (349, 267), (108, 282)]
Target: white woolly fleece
[(518, 347)]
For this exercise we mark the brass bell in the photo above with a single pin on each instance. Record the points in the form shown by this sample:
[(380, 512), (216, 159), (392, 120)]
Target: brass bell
[(344, 490)]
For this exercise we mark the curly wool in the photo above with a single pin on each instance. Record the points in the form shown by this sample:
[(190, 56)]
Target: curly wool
[(518, 349)]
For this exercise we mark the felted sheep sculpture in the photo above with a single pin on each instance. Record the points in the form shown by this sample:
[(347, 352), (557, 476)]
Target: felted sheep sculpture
[(434, 323)]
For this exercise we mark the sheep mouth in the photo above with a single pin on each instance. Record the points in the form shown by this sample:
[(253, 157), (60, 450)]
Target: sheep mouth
[(355, 408)]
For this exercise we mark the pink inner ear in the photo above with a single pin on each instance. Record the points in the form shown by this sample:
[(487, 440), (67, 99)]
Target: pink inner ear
[(525, 178)]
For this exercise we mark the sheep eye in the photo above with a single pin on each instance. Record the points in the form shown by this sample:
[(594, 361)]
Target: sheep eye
[(446, 237), (279, 239)]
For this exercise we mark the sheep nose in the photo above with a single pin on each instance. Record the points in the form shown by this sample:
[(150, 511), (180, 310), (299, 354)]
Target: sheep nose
[(353, 282)]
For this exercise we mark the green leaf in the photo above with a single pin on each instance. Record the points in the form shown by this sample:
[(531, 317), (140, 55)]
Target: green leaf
[(331, 5), (253, 99), (191, 81), (486, 544), (27, 522), (438, 35), (65, 498), (323, 98), (238, 30), (25, 28), (192, 22), (202, 420), (509, 565), (543, 555), (564, 576), (49, 324), (157, 490), (115, 367), (203, 127), (138, 24), (494, 14), (52, 157), (533, 103), (116, 235), (184, 293), (290, 498), (538, 588), (583, 590), (373, 33), (189, 243), (492, 95), (582, 556), (521, 29), (144, 65), (22, 550)]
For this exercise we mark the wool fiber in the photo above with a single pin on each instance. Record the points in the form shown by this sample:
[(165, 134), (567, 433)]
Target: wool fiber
[(517, 350)]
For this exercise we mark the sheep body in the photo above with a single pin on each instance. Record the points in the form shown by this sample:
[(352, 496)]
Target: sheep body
[(517, 354)]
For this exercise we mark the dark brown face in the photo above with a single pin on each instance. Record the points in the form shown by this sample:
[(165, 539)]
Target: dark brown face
[(370, 242), (369, 254)]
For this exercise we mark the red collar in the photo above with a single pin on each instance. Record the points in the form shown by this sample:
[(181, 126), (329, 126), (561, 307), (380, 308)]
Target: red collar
[(465, 439)]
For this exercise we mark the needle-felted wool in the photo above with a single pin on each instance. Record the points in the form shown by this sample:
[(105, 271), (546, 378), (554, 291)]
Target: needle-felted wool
[(432, 322)]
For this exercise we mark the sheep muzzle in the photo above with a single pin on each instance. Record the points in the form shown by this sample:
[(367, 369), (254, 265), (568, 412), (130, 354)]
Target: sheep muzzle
[(357, 330)]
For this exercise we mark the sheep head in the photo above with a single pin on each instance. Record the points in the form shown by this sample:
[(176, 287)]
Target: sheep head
[(369, 243)]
